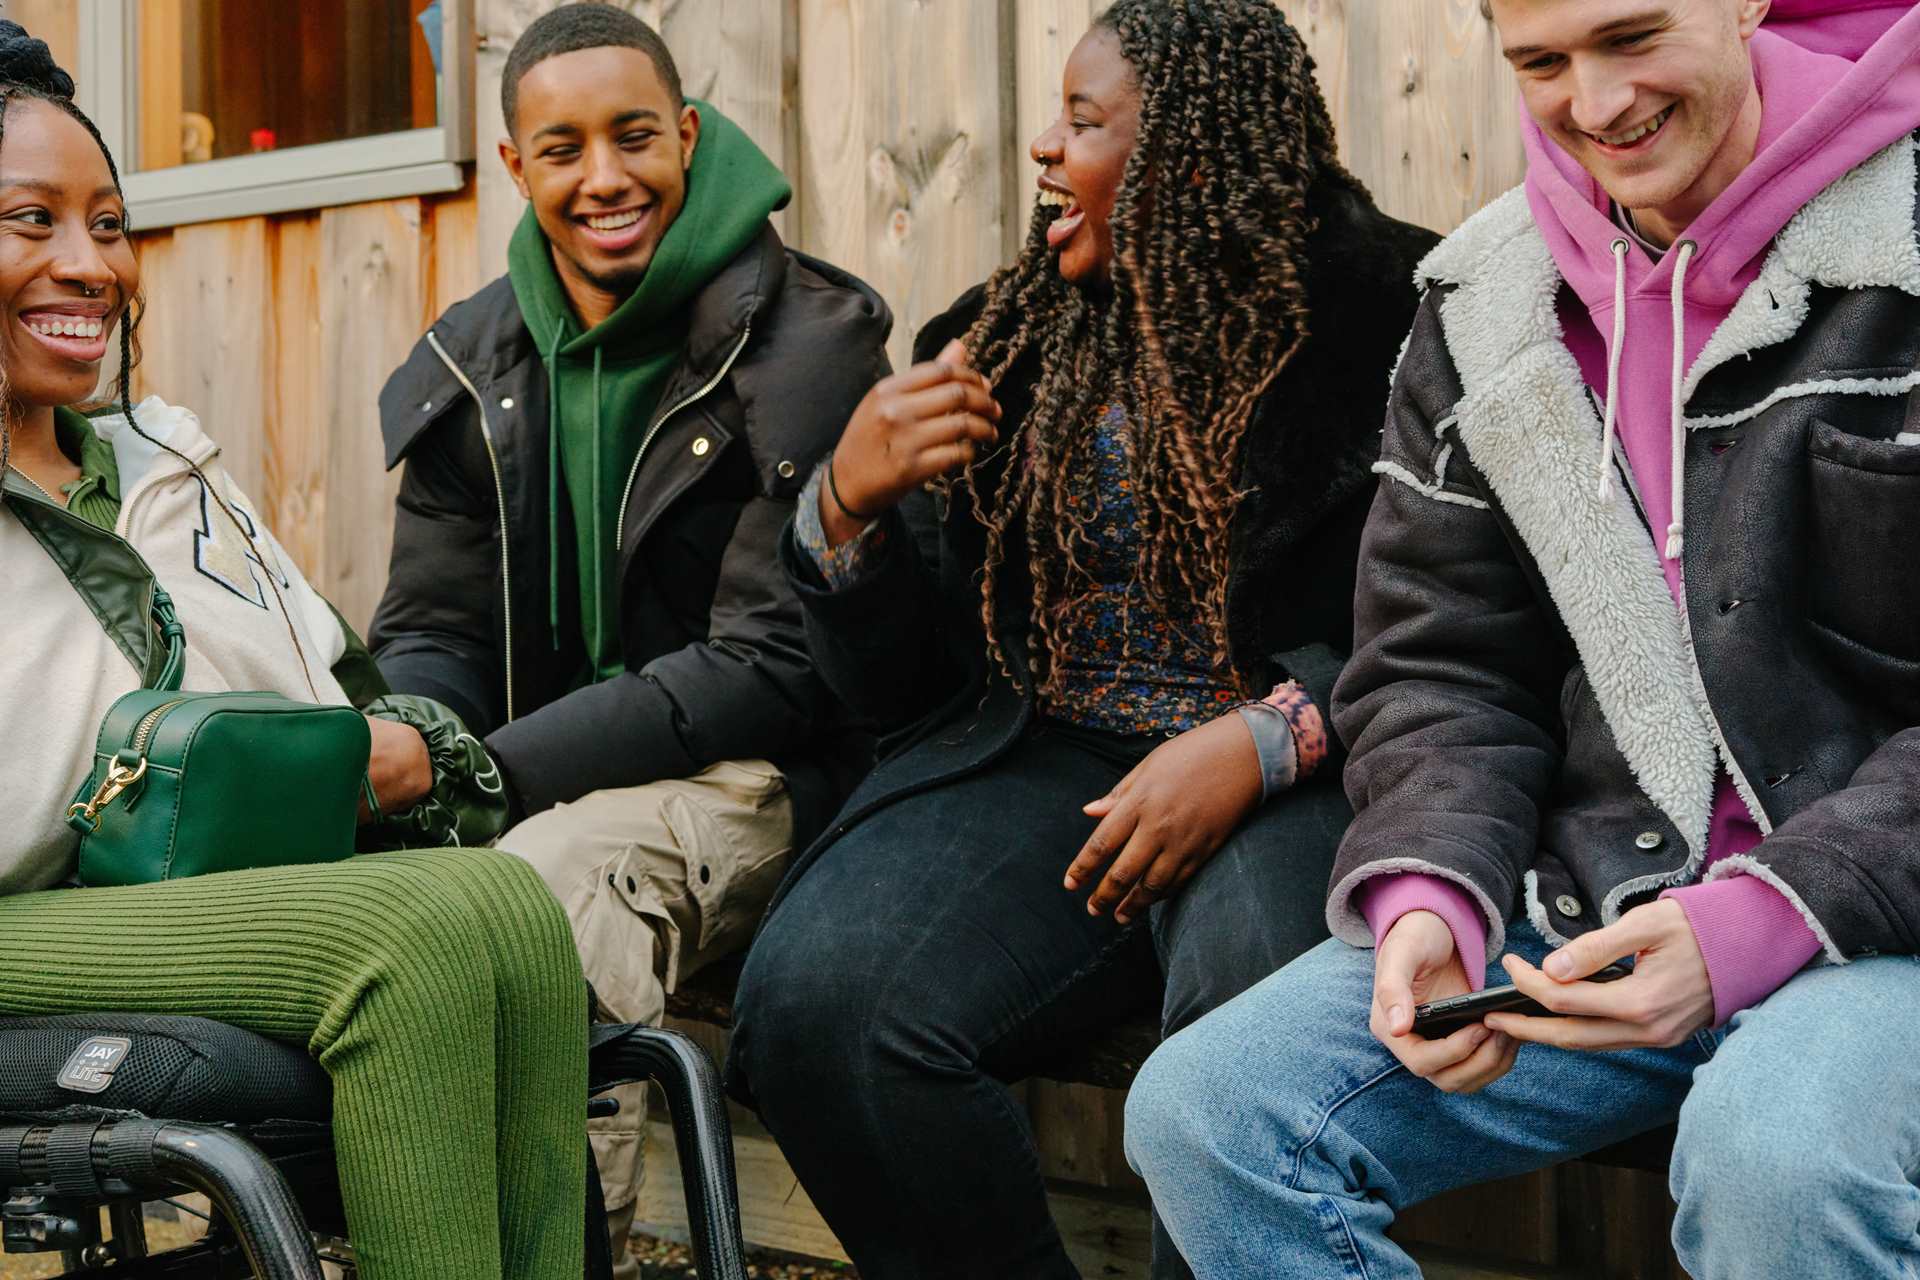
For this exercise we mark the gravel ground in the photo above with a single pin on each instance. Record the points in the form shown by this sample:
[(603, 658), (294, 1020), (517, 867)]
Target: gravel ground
[(666, 1260)]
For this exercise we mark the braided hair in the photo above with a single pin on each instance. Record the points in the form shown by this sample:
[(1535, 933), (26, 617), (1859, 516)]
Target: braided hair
[(28, 71), (1208, 304)]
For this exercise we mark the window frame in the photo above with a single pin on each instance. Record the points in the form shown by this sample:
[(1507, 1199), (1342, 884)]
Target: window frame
[(380, 167)]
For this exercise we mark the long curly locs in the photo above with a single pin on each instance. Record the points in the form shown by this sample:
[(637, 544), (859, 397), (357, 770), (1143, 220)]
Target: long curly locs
[(1208, 304)]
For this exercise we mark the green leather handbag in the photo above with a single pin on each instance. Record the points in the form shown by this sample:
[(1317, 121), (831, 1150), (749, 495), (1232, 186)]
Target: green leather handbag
[(184, 784)]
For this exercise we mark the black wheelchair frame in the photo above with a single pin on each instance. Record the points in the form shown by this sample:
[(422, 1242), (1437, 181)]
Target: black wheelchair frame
[(271, 1184)]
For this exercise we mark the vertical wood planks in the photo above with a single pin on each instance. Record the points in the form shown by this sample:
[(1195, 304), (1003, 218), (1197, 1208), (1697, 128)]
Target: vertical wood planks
[(906, 157), (207, 338), (1044, 33), (296, 497), (1425, 109), (373, 281)]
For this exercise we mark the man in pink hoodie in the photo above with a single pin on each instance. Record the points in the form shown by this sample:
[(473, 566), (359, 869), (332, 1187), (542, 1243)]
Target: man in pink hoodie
[(1636, 678)]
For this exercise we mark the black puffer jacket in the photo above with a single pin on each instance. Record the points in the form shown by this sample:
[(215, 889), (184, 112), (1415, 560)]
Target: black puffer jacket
[(904, 647), (1527, 715), (780, 349)]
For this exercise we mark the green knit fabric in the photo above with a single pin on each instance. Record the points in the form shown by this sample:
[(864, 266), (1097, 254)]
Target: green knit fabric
[(439, 990), (95, 496)]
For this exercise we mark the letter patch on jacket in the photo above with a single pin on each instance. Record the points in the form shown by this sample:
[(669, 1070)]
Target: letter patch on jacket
[(220, 553)]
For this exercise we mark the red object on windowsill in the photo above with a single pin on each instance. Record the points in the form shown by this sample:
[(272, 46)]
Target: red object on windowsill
[(262, 139)]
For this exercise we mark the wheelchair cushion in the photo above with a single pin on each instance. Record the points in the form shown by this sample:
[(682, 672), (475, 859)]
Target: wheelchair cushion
[(172, 1069)]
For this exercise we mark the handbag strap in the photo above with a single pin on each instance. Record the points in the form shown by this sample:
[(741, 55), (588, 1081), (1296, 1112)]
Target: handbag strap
[(174, 636)]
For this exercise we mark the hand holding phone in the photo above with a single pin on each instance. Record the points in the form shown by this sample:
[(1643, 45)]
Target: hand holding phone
[(1444, 1017)]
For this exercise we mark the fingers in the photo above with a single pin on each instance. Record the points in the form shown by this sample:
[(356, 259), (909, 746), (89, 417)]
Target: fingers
[(1591, 1034), (1393, 990), (1107, 839), (965, 394), (932, 372), (1161, 880), (1493, 1059), (1590, 951), (1428, 1058), (1592, 999), (1133, 862)]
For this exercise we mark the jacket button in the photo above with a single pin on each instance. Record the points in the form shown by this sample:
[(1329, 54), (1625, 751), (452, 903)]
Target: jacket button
[(1567, 905), (1648, 841), (506, 402), (701, 446), (785, 469), (427, 407), (706, 875)]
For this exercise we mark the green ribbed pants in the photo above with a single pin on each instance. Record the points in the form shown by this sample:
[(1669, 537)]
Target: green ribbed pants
[(441, 992)]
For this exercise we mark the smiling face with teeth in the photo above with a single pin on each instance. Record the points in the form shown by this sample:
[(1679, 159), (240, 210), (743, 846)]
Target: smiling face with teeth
[(62, 235), (1083, 155), (601, 147), (1655, 98)]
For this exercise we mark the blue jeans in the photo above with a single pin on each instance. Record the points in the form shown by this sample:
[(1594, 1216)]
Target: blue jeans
[(931, 955), (1279, 1138)]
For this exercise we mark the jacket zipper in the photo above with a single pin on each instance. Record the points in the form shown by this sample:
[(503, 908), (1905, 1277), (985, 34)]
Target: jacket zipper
[(499, 497), (626, 495)]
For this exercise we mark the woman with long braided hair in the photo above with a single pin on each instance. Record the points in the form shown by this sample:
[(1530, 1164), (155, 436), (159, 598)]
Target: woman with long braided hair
[(439, 989), (1091, 563)]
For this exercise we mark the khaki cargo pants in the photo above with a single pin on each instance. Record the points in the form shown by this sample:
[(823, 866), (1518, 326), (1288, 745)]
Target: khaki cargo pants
[(658, 882)]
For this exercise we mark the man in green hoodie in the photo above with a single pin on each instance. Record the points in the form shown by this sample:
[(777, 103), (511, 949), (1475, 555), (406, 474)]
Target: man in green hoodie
[(601, 449)]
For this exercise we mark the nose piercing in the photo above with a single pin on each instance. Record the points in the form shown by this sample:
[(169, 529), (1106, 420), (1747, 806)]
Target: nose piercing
[(93, 292)]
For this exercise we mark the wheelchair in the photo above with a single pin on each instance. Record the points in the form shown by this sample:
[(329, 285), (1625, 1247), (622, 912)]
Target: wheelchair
[(103, 1112)]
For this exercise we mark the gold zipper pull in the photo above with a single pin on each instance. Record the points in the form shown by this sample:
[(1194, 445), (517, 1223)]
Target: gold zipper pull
[(118, 779)]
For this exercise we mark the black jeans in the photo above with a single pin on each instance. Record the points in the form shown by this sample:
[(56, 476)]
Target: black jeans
[(932, 954)]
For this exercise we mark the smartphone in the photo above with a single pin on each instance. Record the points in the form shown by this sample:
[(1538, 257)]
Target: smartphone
[(1442, 1018)]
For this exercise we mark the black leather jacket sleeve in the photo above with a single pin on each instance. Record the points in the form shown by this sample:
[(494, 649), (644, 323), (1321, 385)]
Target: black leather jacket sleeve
[(434, 629), (747, 690), (1449, 703)]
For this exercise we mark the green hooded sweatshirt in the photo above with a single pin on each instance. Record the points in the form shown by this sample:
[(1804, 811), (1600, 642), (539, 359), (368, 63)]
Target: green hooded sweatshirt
[(604, 384)]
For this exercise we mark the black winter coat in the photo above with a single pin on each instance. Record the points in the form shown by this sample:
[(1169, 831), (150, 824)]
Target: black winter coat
[(1527, 715), (780, 348), (904, 647)]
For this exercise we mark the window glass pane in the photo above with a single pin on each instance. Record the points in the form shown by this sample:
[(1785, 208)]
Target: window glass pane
[(221, 78)]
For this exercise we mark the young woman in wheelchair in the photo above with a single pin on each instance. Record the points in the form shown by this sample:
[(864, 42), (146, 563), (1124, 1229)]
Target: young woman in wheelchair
[(439, 989), (1105, 643)]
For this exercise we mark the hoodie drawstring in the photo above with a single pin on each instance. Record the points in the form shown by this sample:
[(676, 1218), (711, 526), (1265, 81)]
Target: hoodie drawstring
[(553, 486), (1608, 431), (1676, 531), (1677, 422), (599, 615)]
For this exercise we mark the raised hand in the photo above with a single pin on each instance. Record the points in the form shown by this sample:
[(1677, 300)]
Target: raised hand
[(915, 426)]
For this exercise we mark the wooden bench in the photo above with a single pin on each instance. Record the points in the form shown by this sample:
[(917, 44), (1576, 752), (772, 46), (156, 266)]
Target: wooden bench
[(1604, 1217)]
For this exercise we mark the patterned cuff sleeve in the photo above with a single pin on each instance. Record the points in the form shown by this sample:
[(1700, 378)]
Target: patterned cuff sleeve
[(1292, 704), (1273, 741), (844, 565)]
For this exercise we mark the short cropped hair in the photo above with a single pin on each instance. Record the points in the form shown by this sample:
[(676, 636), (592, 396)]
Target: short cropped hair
[(589, 24)]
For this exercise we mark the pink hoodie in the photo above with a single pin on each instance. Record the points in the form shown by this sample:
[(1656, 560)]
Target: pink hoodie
[(1839, 80)]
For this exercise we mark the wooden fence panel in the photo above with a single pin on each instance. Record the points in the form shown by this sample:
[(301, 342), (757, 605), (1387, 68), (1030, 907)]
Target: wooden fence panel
[(1426, 110), (906, 160), (207, 338), (373, 292), (297, 449)]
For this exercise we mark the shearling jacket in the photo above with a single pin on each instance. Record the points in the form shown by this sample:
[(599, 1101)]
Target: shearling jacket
[(780, 348), (904, 648), (1528, 713)]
